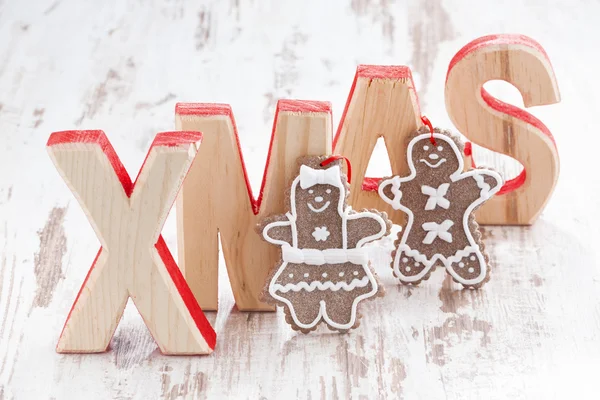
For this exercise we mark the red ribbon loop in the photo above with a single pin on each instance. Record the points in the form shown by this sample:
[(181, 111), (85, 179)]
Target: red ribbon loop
[(333, 158), (427, 123)]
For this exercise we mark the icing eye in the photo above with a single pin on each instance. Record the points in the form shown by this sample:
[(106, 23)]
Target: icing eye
[(440, 148), (328, 191), (425, 147), (311, 191)]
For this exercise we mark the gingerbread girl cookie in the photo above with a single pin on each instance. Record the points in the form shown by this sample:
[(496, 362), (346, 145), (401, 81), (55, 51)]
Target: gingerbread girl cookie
[(324, 272), (439, 200)]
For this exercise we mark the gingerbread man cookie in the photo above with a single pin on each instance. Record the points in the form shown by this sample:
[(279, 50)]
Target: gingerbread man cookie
[(324, 272), (439, 200)]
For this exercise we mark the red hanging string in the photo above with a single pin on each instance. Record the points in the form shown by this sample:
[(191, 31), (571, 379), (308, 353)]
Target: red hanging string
[(427, 123), (331, 159), (469, 153)]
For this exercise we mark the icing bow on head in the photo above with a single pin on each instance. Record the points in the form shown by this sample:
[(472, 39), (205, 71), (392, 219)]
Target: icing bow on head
[(310, 176)]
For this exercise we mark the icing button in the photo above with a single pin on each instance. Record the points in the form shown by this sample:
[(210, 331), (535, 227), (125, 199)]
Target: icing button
[(461, 264), (407, 269), (306, 275), (341, 274), (417, 264), (291, 275), (355, 273), (324, 275), (404, 260), (472, 258), (471, 270)]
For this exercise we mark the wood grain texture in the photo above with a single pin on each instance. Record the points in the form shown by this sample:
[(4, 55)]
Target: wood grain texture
[(134, 261), (496, 125), (532, 333), (217, 202)]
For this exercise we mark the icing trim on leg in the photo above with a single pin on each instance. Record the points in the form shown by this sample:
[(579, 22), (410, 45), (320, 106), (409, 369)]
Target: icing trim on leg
[(405, 250), (467, 251)]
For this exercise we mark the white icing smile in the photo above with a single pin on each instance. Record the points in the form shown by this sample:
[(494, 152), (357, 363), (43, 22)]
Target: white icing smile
[(318, 210), (443, 160)]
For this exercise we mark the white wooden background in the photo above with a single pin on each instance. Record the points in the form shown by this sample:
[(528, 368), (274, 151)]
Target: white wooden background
[(532, 332)]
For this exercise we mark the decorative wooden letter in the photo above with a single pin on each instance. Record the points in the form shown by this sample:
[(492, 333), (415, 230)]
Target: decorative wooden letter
[(504, 128), (134, 260), (382, 103), (217, 198)]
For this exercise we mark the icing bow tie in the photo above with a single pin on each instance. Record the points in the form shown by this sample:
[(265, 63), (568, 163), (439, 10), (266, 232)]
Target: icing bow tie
[(435, 230), (310, 177), (436, 196)]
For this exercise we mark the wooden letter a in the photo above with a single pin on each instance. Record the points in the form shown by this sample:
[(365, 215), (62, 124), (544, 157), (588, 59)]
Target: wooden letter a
[(383, 102)]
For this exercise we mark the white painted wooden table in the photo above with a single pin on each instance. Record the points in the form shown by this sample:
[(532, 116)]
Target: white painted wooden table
[(532, 332)]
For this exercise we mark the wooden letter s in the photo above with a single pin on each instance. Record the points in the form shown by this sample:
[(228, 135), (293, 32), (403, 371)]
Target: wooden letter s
[(504, 128)]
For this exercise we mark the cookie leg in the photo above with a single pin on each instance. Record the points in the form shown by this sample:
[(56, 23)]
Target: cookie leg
[(471, 271), (341, 312), (304, 312), (410, 271)]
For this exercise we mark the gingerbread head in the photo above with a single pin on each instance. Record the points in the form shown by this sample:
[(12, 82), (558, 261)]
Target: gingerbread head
[(438, 158), (324, 271), (317, 202)]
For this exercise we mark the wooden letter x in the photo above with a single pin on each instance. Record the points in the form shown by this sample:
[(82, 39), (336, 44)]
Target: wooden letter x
[(134, 260)]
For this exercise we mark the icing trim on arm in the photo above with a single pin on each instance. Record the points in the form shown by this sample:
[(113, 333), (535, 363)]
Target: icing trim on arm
[(486, 191), (395, 182), (485, 188)]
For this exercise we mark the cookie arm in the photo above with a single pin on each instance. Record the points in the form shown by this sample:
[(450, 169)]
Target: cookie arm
[(389, 191), (483, 183), (366, 225), (491, 180), (278, 232)]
